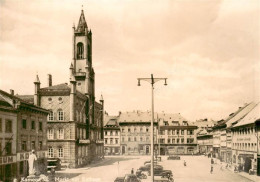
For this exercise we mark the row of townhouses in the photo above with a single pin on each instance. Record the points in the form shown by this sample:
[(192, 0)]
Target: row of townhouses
[(129, 133), (235, 140), (60, 122)]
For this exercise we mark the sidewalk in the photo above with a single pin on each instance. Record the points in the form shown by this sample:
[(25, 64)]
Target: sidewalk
[(242, 173)]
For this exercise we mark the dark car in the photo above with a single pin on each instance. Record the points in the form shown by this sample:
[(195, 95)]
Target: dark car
[(128, 178), (147, 167), (156, 170), (53, 164), (119, 179), (174, 157), (165, 173)]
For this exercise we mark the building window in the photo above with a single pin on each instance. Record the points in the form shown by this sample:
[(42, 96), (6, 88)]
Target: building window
[(190, 140), (105, 141), (40, 126), (116, 133), (169, 140), (141, 129), (173, 132), (116, 141), (24, 146), (182, 132), (129, 139), (190, 132), (123, 139), (24, 123), (173, 140), (60, 150), (60, 115), (40, 145), (33, 145), (8, 148), (8, 126), (135, 139), (129, 129), (33, 125), (50, 134), (80, 50), (178, 140), (134, 129), (162, 140), (60, 133), (147, 129), (178, 132), (111, 141), (51, 116), (141, 139), (105, 132), (50, 152)]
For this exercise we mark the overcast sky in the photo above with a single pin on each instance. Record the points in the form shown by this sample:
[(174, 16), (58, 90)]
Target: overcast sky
[(208, 50)]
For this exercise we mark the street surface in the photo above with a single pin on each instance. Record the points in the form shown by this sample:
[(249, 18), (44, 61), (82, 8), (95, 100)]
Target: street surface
[(197, 170)]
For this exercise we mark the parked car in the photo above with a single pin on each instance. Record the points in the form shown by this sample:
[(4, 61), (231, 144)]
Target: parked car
[(128, 178), (147, 167), (53, 163), (156, 170), (174, 157)]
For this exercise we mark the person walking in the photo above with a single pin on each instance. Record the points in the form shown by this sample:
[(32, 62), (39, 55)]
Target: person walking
[(211, 169), (132, 171)]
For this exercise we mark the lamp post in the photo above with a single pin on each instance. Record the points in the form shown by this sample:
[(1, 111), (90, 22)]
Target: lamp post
[(152, 81)]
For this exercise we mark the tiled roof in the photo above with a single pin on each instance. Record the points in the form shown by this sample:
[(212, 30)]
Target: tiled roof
[(136, 116), (251, 117), (11, 99), (241, 113), (4, 103), (27, 98), (140, 116), (62, 86), (172, 118)]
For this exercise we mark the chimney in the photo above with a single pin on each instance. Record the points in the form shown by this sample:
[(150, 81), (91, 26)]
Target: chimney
[(11, 91), (49, 81)]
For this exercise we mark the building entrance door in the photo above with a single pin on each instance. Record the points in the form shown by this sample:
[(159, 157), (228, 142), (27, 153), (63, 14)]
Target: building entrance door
[(123, 149), (247, 165), (147, 150)]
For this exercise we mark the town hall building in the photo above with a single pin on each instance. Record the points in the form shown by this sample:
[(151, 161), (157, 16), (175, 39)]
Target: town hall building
[(75, 123)]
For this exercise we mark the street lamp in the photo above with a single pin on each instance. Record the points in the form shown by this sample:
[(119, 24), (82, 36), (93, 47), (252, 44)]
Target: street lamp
[(152, 81)]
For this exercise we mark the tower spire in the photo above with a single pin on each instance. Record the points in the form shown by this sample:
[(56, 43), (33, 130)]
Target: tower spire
[(82, 25)]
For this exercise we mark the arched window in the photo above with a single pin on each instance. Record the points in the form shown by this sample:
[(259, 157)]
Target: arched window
[(80, 50), (51, 116)]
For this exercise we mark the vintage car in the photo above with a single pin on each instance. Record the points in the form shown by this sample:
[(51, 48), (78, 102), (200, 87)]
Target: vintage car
[(128, 178), (174, 157), (147, 167), (157, 170), (53, 164)]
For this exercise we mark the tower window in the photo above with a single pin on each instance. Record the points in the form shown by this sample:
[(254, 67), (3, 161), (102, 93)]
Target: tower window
[(80, 50)]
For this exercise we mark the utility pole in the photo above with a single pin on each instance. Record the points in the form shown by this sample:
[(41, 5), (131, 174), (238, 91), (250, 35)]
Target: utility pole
[(152, 81)]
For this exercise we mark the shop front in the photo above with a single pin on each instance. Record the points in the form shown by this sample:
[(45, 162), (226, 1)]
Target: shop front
[(8, 168)]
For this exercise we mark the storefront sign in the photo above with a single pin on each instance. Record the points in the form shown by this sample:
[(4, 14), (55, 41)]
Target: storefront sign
[(25, 155), (243, 139), (7, 159)]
